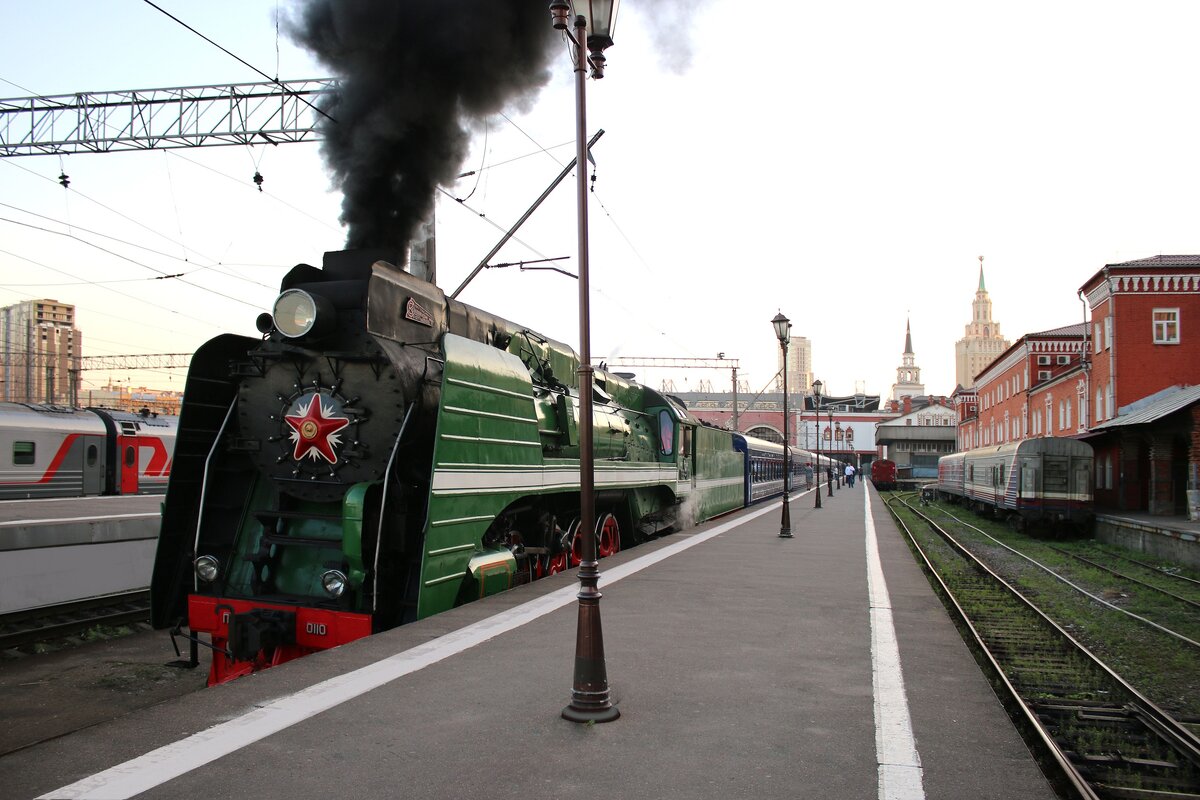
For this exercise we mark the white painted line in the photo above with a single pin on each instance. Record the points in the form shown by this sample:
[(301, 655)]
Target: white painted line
[(900, 776), (17, 522), (170, 761)]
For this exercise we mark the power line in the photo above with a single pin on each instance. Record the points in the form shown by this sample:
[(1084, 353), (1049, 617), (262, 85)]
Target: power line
[(275, 81)]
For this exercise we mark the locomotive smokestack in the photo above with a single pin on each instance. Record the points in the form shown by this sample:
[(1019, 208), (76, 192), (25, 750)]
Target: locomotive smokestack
[(414, 77)]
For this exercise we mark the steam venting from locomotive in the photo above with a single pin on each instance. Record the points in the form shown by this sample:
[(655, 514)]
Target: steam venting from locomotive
[(414, 77)]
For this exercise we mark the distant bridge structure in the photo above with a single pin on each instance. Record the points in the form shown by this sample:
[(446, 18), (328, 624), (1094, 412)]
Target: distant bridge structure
[(270, 112)]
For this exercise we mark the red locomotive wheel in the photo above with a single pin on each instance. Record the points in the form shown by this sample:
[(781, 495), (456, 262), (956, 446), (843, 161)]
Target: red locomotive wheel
[(608, 536), (556, 564)]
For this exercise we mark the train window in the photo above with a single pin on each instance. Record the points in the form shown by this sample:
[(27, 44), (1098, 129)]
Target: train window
[(685, 446), (92, 454), (666, 432), (130, 456), (23, 452)]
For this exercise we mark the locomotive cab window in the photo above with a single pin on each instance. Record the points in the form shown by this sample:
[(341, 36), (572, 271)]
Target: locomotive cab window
[(666, 433), (130, 456), (93, 454), (23, 453)]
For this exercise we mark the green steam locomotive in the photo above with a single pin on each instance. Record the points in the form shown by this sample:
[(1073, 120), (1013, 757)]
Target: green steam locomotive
[(383, 453)]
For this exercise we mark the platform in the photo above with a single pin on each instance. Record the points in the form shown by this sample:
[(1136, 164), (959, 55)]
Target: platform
[(1173, 538), (743, 665)]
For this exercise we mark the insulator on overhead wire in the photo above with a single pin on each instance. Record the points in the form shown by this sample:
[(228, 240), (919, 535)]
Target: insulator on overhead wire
[(64, 179), (258, 179)]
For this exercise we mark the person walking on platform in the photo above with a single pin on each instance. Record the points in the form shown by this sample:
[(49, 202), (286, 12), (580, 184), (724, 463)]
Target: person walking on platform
[(808, 474), (850, 475)]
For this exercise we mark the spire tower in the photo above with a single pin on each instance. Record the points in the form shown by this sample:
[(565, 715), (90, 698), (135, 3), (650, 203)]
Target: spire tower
[(982, 341)]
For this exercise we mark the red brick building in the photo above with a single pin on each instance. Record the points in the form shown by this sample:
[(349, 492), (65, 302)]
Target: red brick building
[(1037, 387), (1144, 368), (1127, 381)]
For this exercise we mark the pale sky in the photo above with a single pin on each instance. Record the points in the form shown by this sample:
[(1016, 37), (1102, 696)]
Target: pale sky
[(845, 164)]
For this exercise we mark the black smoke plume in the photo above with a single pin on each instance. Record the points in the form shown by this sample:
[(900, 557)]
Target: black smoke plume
[(414, 76)]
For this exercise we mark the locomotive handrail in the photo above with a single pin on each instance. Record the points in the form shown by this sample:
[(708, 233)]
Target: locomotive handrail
[(387, 472), (204, 483)]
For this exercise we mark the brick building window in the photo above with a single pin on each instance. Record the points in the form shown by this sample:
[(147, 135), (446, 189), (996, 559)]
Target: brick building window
[(1166, 326)]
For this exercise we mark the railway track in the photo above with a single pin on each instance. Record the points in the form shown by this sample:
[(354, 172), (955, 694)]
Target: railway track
[(1097, 736), (32, 626)]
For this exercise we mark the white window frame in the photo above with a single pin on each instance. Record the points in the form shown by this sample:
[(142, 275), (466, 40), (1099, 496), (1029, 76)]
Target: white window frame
[(1043, 374), (1161, 327), (1043, 361), (1063, 360)]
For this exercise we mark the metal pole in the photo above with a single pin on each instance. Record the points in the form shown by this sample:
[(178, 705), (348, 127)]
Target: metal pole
[(785, 523), (829, 474), (817, 466), (589, 694), (735, 400), (516, 226)]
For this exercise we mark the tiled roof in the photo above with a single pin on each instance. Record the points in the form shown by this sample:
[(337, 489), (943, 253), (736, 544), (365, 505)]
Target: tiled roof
[(1076, 331), (1162, 261)]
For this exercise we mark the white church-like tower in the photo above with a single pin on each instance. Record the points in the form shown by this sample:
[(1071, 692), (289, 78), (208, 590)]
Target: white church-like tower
[(908, 374)]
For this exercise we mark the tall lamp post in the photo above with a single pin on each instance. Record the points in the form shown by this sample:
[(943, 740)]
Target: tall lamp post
[(829, 477), (589, 693), (783, 331), (817, 412)]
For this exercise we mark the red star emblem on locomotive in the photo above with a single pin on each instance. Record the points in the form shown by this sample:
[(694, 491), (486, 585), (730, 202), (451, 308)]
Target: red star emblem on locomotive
[(313, 432)]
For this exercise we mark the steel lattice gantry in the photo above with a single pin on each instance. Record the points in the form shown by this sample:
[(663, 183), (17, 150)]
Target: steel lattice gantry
[(148, 119)]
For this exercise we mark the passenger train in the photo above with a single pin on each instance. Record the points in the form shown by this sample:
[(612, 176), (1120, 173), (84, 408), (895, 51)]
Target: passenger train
[(1037, 482), (55, 451), (384, 453)]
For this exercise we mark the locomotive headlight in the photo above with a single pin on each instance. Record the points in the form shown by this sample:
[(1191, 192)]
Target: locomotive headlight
[(298, 313), (334, 582), (207, 568)]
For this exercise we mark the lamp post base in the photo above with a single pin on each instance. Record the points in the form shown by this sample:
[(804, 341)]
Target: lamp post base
[(606, 714), (785, 522), (589, 692)]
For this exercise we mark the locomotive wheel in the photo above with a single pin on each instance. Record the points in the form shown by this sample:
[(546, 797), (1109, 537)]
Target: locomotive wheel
[(608, 536), (556, 563)]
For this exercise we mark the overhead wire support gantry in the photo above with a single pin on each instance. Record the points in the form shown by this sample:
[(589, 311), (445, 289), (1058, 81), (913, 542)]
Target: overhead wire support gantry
[(153, 119)]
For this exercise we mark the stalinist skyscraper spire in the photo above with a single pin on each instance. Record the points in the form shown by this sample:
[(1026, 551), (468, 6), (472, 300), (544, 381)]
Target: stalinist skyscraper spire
[(982, 342)]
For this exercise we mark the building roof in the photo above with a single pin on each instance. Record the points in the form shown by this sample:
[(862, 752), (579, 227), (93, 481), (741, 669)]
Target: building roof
[(1153, 262), (1153, 407), (1076, 331), (1162, 261)]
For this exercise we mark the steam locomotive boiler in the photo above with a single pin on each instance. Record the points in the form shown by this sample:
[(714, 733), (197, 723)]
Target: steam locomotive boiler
[(384, 453)]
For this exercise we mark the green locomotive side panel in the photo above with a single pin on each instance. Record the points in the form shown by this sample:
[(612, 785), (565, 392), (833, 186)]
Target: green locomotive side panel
[(501, 437), (722, 488), (487, 452)]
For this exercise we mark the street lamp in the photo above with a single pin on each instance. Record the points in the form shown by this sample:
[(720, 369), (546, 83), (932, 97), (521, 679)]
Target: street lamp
[(783, 331), (589, 692), (829, 477), (817, 411)]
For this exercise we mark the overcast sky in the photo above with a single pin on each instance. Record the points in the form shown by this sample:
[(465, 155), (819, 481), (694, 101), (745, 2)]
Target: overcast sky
[(845, 164)]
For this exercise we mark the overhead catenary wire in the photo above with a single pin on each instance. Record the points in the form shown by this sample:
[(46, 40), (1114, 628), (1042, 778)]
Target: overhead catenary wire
[(275, 81)]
